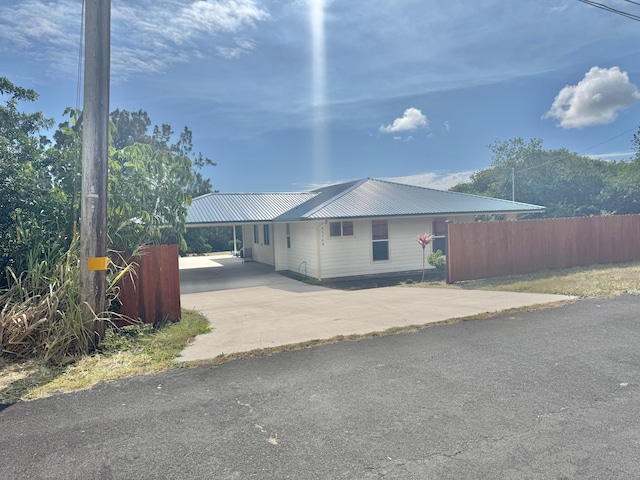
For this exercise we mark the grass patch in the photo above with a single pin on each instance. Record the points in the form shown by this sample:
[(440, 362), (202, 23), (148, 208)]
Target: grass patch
[(584, 282), (132, 351)]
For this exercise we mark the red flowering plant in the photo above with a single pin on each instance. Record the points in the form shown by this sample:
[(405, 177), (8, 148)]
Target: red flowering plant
[(424, 240)]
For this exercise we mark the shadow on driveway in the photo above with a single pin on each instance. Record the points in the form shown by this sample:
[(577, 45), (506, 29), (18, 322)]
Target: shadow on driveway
[(213, 274)]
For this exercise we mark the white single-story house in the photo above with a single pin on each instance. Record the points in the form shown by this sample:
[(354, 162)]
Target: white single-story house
[(358, 228)]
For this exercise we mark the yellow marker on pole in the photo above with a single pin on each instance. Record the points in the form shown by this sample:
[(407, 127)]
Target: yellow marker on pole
[(98, 263)]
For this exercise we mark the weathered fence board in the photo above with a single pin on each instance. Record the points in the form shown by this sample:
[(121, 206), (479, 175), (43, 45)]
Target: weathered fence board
[(152, 293), (493, 249)]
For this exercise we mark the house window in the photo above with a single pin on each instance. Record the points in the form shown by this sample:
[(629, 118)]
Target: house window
[(380, 240), (341, 229), (266, 234), (288, 232), (256, 235), (440, 230)]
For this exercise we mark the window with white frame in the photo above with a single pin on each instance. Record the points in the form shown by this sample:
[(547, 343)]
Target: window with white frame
[(380, 240), (341, 229), (256, 235), (265, 229), (288, 233)]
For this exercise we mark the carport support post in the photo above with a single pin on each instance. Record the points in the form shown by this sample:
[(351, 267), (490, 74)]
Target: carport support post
[(235, 242)]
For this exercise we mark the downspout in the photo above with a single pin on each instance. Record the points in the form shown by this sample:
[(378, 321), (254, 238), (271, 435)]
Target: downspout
[(274, 245)]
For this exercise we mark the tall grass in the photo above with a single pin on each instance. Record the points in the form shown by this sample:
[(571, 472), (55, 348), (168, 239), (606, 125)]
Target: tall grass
[(42, 313)]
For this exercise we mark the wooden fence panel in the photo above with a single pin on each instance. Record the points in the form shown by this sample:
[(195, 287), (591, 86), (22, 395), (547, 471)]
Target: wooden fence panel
[(492, 249), (152, 293)]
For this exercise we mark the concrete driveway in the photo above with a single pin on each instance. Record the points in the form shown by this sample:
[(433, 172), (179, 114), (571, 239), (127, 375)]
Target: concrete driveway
[(249, 307)]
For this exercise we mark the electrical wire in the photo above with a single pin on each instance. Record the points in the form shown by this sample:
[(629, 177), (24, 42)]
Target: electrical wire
[(80, 61), (614, 10), (580, 152)]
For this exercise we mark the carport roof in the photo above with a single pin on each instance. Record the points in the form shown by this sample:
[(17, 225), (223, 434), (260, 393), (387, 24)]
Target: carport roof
[(221, 208), (356, 199)]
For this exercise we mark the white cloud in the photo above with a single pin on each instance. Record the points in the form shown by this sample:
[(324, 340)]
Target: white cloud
[(447, 126), (147, 36), (434, 180), (240, 48), (595, 100), (613, 156), (558, 9), (412, 119)]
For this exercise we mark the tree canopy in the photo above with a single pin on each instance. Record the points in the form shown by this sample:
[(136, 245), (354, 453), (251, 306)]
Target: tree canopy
[(566, 183), (29, 204), (153, 174)]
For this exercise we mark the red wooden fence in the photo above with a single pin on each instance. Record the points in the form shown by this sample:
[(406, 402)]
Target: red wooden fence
[(494, 249), (152, 293)]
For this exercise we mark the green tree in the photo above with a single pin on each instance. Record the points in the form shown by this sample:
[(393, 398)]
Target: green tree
[(133, 127), (29, 204), (211, 239), (151, 178), (566, 183), (129, 128), (148, 195)]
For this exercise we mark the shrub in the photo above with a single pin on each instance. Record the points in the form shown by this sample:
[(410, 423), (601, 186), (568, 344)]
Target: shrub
[(438, 260)]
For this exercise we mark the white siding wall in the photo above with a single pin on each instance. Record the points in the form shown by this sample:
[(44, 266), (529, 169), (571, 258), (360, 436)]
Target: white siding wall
[(304, 248), (347, 256), (261, 253), (329, 257)]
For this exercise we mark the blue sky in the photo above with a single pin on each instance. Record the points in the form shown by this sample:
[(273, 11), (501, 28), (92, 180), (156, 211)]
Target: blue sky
[(288, 94)]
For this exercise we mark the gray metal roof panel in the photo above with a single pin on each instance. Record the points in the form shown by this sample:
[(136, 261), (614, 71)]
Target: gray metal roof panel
[(242, 207), (379, 198), (361, 198), (323, 196)]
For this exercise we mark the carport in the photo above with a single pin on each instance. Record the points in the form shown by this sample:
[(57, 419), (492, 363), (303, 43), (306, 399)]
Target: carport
[(214, 273)]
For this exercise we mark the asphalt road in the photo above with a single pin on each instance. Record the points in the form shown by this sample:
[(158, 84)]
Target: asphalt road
[(547, 394)]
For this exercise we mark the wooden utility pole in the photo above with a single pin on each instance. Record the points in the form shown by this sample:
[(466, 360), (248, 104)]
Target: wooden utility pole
[(95, 151)]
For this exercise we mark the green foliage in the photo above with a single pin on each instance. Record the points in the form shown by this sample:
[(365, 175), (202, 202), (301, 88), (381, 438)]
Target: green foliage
[(566, 183), (211, 239), (129, 128), (151, 182), (26, 193), (147, 196), (437, 260)]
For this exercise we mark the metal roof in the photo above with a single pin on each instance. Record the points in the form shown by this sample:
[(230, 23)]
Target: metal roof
[(381, 198), (242, 207), (362, 198), (322, 197)]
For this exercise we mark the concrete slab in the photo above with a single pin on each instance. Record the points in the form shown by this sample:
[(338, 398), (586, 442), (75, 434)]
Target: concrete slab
[(290, 312), (218, 273)]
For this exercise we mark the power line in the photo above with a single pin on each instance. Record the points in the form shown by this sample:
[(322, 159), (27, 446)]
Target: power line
[(614, 10), (582, 151), (513, 170)]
